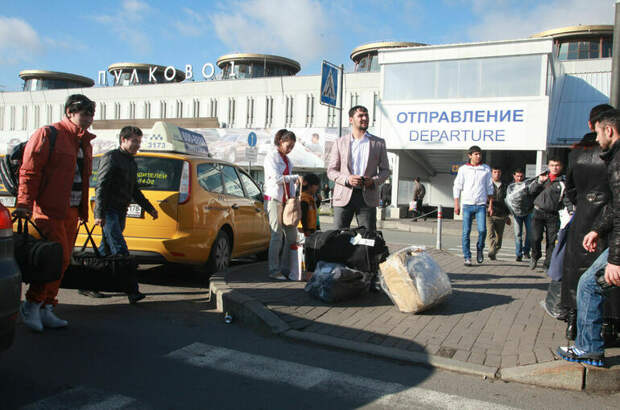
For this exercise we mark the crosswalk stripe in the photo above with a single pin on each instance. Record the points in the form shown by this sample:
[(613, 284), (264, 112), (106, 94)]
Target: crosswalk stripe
[(83, 398), (390, 395)]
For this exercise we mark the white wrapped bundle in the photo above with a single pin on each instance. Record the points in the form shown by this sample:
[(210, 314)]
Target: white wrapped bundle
[(413, 280)]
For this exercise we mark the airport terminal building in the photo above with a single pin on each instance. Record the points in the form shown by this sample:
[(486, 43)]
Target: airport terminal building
[(517, 99)]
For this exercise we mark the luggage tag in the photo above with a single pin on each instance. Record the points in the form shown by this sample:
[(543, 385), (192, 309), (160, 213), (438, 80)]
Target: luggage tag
[(358, 240)]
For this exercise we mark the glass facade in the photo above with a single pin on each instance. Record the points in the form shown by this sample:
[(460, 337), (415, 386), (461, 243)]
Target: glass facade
[(37, 84), (468, 78), (584, 48), (255, 70), (368, 63)]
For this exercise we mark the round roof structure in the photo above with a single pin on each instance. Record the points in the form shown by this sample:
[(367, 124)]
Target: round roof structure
[(258, 58), (370, 47), (573, 31), (126, 67), (55, 75)]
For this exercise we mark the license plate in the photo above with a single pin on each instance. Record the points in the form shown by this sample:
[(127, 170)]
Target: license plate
[(8, 201), (134, 211)]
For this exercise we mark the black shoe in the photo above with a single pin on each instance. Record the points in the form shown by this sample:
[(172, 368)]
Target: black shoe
[(519, 258), (491, 256), (135, 297), (533, 263), (91, 293), (571, 327), (479, 257)]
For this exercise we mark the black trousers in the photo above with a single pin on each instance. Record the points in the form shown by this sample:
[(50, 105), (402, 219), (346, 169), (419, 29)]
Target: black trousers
[(549, 224), (366, 215)]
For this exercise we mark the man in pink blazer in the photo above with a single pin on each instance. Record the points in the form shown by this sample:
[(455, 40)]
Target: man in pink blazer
[(358, 165)]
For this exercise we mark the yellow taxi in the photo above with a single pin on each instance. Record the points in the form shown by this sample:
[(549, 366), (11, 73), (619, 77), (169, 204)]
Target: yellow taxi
[(209, 210)]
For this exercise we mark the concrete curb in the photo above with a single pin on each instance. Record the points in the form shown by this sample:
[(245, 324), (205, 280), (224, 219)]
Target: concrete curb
[(557, 374)]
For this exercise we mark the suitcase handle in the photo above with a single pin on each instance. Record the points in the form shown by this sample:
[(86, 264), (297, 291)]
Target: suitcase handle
[(89, 238)]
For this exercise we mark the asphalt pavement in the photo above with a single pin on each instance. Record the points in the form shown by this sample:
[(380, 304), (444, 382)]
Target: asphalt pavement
[(174, 351)]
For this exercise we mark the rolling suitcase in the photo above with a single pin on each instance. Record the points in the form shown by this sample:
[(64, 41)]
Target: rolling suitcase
[(93, 271)]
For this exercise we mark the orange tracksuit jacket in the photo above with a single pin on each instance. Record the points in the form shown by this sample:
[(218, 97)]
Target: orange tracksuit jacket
[(45, 184)]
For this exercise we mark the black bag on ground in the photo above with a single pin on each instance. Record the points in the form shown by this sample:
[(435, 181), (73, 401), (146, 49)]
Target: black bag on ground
[(334, 282), (335, 246), (39, 260), (92, 271)]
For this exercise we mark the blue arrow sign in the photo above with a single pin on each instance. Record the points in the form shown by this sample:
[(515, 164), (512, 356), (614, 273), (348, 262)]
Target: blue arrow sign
[(252, 139), (329, 84)]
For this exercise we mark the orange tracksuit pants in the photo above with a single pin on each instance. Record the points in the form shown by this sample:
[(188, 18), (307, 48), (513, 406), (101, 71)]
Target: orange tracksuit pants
[(62, 231)]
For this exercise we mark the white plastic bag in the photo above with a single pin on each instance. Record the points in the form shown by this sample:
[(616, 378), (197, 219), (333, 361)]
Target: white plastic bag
[(413, 280), (413, 206)]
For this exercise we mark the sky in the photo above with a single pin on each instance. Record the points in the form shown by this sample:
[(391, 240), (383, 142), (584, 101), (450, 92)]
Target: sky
[(84, 37)]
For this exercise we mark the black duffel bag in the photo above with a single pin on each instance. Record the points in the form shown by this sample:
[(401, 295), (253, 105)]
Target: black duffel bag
[(39, 260), (92, 271), (335, 246)]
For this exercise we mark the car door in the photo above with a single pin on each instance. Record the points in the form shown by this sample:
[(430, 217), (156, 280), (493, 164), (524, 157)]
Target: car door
[(242, 210), (261, 223)]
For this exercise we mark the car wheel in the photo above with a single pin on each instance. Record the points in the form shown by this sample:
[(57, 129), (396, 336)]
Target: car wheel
[(219, 259)]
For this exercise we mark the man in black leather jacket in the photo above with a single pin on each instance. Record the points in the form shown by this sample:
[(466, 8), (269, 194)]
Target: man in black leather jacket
[(548, 190), (605, 271), (117, 187)]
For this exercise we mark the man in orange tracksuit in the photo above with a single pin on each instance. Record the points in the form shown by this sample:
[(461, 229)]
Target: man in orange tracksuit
[(53, 189)]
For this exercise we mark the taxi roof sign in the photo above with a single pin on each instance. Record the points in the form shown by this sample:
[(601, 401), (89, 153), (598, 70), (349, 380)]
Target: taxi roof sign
[(165, 136)]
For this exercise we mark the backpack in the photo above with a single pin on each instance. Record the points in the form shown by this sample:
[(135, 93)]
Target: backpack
[(12, 161)]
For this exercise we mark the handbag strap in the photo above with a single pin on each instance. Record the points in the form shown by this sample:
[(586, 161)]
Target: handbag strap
[(22, 226)]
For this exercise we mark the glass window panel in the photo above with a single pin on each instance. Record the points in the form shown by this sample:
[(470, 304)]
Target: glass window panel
[(606, 47), (374, 63), (572, 51), (594, 48), (232, 185), (563, 52), (210, 177), (584, 50), (251, 190), (469, 78)]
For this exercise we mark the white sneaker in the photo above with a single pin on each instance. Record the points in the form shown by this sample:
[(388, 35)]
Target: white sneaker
[(278, 276), (49, 319), (30, 313)]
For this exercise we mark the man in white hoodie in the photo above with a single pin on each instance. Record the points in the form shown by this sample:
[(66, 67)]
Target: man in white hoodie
[(473, 187)]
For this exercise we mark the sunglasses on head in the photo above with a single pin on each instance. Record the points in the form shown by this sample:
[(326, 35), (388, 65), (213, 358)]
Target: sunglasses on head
[(84, 106)]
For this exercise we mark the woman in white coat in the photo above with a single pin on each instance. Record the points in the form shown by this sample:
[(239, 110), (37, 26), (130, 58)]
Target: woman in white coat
[(279, 183)]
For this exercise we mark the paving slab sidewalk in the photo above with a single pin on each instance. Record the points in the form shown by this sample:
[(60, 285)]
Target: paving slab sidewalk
[(492, 325)]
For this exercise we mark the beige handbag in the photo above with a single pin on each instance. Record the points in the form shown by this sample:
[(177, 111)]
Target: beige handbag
[(291, 212)]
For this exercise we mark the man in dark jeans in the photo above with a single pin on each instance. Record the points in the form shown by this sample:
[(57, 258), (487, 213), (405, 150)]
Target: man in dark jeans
[(548, 190), (117, 187)]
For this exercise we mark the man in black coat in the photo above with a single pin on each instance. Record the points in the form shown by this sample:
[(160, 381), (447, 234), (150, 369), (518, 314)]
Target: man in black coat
[(587, 189), (605, 271), (548, 190), (117, 187)]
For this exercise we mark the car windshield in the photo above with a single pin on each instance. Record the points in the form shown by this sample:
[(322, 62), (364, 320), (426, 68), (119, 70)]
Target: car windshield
[(154, 173)]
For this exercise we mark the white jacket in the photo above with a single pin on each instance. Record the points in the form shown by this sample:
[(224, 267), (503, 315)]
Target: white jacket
[(273, 167), (473, 184)]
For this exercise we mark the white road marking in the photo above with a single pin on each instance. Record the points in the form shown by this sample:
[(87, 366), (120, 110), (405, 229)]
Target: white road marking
[(83, 398), (372, 391)]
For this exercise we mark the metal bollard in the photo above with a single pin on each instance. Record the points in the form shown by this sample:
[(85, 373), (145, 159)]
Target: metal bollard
[(439, 218)]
